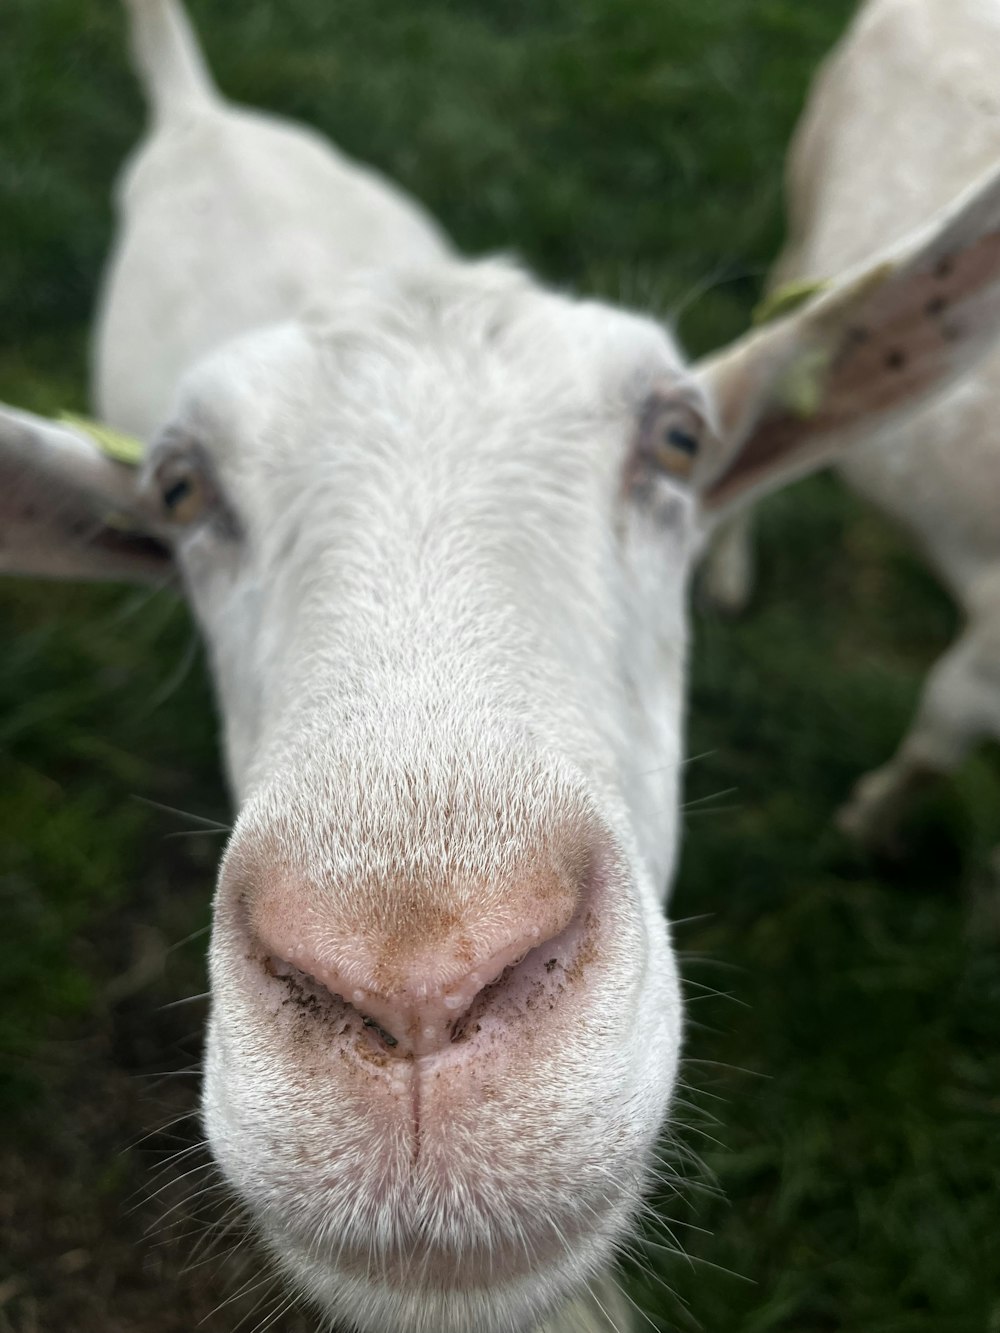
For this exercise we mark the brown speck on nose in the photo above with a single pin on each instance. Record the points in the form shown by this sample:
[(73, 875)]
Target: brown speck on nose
[(895, 359)]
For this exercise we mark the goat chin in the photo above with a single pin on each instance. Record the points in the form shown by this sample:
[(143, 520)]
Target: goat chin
[(601, 1307)]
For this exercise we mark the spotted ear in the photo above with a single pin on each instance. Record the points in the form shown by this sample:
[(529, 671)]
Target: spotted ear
[(69, 505), (789, 397)]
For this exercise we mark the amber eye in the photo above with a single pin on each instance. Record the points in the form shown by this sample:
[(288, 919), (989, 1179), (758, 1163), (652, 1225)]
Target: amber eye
[(670, 435), (679, 441), (184, 489)]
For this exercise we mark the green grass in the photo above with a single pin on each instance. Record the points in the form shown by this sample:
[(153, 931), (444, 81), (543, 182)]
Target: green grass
[(846, 1097)]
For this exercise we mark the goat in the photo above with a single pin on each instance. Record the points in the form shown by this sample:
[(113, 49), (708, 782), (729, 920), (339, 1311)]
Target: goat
[(904, 115), (436, 524)]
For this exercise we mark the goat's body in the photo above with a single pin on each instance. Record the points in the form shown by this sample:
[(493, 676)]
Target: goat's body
[(905, 115), (258, 217), (902, 117)]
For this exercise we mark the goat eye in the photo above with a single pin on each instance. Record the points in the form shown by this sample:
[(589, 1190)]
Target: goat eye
[(670, 432), (681, 440), (184, 490)]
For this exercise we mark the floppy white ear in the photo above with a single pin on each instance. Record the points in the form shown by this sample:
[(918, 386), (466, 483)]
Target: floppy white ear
[(792, 395), (67, 509)]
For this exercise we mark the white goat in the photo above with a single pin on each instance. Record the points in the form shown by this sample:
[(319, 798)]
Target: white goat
[(436, 524), (904, 114)]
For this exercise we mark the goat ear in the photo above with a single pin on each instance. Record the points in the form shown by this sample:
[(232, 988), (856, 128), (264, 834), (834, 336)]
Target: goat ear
[(70, 510), (791, 396)]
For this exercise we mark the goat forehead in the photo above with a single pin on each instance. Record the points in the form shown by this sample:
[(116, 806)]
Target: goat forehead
[(453, 363), (491, 311)]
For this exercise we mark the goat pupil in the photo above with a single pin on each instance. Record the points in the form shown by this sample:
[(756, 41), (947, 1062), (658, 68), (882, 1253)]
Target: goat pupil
[(680, 439), (179, 491)]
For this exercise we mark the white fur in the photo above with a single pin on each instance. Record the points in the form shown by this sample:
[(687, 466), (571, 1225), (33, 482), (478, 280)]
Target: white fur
[(903, 116)]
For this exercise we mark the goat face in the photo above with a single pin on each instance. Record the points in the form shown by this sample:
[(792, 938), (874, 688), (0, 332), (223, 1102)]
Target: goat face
[(446, 1020)]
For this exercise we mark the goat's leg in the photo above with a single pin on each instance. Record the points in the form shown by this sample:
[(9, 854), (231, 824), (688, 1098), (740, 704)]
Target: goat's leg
[(960, 705), (728, 569)]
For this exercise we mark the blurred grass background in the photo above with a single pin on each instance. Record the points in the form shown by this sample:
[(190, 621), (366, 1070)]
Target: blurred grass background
[(843, 1067)]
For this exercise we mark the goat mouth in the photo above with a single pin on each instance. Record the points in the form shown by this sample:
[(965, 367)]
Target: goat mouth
[(513, 1021)]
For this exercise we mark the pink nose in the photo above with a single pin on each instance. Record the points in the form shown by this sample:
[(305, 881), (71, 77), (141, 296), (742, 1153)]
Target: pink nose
[(410, 980)]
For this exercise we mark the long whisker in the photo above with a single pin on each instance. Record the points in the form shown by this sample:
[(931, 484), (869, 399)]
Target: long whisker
[(183, 814)]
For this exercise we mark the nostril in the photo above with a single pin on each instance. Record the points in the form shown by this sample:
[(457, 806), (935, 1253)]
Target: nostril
[(309, 986), (387, 1037)]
